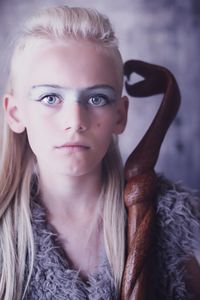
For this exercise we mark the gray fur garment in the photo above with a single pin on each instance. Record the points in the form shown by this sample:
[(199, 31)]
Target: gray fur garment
[(177, 223), (52, 277), (177, 229)]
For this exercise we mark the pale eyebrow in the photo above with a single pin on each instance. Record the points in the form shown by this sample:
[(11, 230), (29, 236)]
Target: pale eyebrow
[(90, 88)]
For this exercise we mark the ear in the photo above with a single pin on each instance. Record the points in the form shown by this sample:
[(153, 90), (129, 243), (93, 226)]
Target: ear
[(122, 112), (12, 114)]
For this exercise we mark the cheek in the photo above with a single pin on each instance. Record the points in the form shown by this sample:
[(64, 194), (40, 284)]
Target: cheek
[(36, 121), (38, 132), (106, 120), (35, 139), (103, 132)]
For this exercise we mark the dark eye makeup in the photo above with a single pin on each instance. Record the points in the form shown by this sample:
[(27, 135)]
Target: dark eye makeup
[(97, 96)]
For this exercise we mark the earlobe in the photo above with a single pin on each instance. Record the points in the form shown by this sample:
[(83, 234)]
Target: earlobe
[(12, 114), (122, 112)]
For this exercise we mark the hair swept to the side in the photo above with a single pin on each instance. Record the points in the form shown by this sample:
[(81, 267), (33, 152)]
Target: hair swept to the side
[(18, 162), (61, 22)]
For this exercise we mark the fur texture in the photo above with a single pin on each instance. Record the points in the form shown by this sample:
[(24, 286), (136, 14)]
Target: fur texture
[(53, 278), (177, 226)]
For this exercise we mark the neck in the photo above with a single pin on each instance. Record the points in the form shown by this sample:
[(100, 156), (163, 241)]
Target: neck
[(75, 195)]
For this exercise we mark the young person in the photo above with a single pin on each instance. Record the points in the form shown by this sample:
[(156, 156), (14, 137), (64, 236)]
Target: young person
[(63, 220)]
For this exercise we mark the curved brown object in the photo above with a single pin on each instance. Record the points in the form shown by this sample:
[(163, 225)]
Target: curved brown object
[(140, 189)]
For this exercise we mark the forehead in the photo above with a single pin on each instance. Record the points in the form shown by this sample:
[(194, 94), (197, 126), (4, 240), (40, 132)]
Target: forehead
[(75, 64)]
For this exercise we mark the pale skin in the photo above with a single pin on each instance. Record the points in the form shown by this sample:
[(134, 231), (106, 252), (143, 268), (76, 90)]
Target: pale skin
[(69, 136)]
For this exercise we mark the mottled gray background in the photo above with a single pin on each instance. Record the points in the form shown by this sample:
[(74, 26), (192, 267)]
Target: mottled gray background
[(163, 32)]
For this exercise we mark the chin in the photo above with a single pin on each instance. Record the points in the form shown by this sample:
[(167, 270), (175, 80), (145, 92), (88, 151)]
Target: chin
[(80, 171)]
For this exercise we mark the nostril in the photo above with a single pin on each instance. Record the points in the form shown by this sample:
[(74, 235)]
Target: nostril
[(81, 128), (78, 128)]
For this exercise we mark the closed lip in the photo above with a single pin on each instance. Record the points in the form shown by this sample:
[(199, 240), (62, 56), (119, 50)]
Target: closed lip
[(73, 145)]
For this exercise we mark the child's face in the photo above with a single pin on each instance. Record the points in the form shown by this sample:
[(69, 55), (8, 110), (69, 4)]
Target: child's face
[(67, 98)]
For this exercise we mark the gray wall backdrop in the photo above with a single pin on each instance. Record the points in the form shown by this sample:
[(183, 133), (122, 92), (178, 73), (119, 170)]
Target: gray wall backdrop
[(163, 32)]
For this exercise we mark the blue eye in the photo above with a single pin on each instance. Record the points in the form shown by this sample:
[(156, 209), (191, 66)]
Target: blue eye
[(51, 100), (98, 100)]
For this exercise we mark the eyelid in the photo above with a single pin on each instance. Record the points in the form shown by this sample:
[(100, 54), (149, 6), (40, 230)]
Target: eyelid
[(105, 99), (42, 98), (49, 95), (81, 96)]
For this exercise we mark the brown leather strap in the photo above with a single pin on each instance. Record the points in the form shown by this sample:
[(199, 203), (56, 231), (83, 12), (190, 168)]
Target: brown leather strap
[(140, 188)]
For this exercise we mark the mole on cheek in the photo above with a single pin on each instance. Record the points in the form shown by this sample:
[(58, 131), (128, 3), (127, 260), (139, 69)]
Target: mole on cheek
[(98, 125)]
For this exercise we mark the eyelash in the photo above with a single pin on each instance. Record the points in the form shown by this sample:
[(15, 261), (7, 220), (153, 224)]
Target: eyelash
[(105, 99), (42, 99), (88, 101)]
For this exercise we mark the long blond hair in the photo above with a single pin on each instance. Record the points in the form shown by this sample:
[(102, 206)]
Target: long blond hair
[(17, 160)]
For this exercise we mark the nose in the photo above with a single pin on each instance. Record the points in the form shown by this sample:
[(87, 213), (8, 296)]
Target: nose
[(75, 117)]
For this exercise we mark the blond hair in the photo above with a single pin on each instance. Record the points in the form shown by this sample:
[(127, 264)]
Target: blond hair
[(17, 163)]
